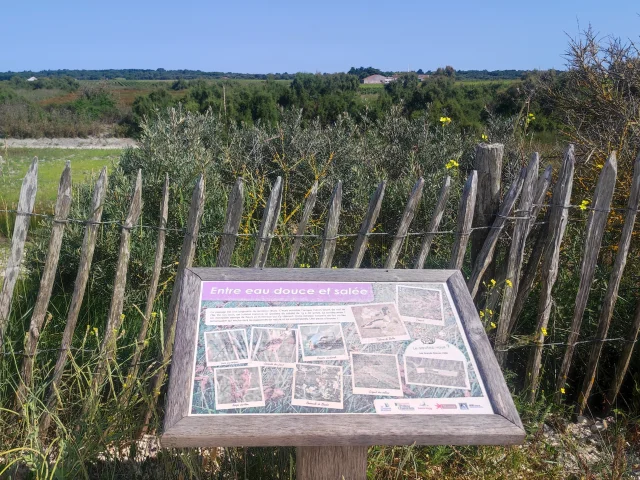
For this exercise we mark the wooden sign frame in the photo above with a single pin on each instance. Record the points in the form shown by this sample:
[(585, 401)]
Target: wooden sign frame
[(503, 427)]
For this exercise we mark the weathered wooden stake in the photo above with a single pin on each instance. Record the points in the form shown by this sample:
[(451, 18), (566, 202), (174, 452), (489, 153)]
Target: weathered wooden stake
[(330, 234), (306, 215), (405, 222), (558, 217), (488, 164), (625, 358), (525, 285), (186, 259), (115, 316), (516, 254), (268, 225), (485, 256), (153, 286), (61, 212), (26, 202), (438, 212), (610, 298), (232, 221), (369, 221), (596, 224), (86, 257), (465, 220)]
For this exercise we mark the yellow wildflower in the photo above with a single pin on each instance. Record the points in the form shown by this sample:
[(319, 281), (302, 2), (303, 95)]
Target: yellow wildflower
[(154, 314), (122, 316), (544, 331), (508, 283), (490, 311), (484, 137), (481, 313), (563, 391), (95, 331), (452, 164), (493, 325), (445, 120), (492, 282), (583, 205)]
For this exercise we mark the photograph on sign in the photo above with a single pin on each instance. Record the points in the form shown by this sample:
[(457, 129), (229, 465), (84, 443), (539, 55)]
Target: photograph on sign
[(379, 322), (226, 347), (420, 304), (435, 372), (274, 346), (322, 342), (375, 374), (318, 386), (238, 387)]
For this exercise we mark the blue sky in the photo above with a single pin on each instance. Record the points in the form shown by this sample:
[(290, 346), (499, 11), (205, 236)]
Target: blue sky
[(277, 36)]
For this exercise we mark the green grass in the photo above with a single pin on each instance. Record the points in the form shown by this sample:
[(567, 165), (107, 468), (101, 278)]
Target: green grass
[(85, 163)]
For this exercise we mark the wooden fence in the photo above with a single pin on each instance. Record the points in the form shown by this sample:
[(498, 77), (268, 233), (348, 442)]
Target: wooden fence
[(482, 218)]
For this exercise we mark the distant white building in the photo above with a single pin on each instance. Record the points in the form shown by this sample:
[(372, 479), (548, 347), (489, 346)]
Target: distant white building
[(31, 79), (376, 79)]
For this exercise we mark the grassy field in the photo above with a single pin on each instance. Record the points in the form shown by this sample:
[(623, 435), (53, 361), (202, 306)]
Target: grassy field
[(84, 165)]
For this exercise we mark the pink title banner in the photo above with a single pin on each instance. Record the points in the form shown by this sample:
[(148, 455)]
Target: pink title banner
[(333, 292)]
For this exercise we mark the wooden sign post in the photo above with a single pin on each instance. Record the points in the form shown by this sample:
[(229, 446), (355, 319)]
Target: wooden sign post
[(332, 361)]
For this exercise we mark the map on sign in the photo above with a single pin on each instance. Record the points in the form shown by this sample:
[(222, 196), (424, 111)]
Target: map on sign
[(267, 347)]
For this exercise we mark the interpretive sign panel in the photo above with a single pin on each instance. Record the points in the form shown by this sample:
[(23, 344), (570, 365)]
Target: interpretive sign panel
[(288, 356)]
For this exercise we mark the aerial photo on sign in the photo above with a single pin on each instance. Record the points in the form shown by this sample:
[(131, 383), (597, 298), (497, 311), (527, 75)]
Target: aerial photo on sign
[(278, 347)]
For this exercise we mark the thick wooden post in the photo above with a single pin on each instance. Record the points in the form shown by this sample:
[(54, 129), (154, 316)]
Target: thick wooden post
[(484, 258), (331, 463), (153, 287), (405, 222), (187, 255), (302, 225), (488, 164), (82, 277), (434, 224), (115, 317), (610, 298), (369, 221), (232, 221), (516, 254), (268, 225), (557, 224), (330, 235), (21, 227), (61, 212), (465, 220)]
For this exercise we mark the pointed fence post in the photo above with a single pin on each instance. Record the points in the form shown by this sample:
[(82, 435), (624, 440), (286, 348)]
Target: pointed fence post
[(309, 203), (26, 202), (330, 235), (86, 258), (465, 220), (369, 221), (232, 221), (153, 287), (596, 224), (187, 255), (488, 164), (438, 212), (405, 223), (61, 212), (484, 258), (115, 317), (625, 359), (558, 218), (610, 298), (268, 225), (516, 255), (525, 285)]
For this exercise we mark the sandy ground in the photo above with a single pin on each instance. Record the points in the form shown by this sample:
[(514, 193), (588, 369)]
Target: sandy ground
[(84, 143)]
